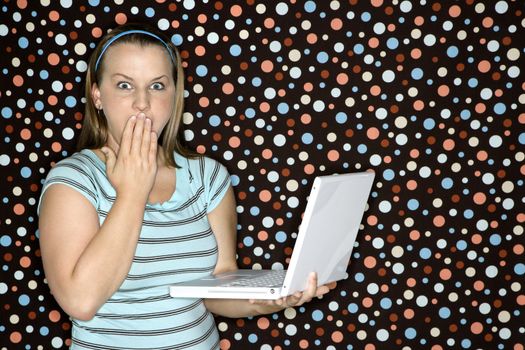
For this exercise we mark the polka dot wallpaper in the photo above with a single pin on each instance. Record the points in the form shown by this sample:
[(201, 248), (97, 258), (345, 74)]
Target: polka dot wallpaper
[(429, 94)]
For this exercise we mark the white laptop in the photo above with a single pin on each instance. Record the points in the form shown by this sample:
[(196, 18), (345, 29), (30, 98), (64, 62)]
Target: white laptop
[(324, 245)]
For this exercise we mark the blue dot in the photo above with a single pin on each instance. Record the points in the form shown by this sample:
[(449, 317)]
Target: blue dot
[(413, 204), (386, 303), (410, 333), (452, 51), (39, 106), (317, 315), (7, 112), (252, 338), (44, 74), (235, 50), (150, 12), (322, 57), (310, 6), (256, 82), (388, 174), (359, 49), (307, 138), (341, 117), (254, 211), (461, 244), (283, 108), (359, 277), (447, 183), (5, 241), (23, 300), (495, 239), (177, 39), (23, 42), (94, 2), (352, 308), (519, 269), (500, 108), (280, 236), (466, 343), (214, 120), (365, 16), (473, 82), (201, 70), (248, 241), (249, 113), (362, 148), (417, 73), (44, 331), (425, 253), (25, 172), (392, 43), (444, 312)]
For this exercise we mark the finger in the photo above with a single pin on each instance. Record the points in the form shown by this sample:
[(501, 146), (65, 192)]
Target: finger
[(136, 140), (125, 142), (152, 156), (146, 138)]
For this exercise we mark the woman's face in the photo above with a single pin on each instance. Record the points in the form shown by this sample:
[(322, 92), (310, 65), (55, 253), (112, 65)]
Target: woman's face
[(136, 79)]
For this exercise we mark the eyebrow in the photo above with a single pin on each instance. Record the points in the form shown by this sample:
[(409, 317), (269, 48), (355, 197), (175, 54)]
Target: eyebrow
[(130, 78)]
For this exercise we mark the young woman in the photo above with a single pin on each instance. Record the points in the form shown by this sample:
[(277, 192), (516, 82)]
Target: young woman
[(133, 211)]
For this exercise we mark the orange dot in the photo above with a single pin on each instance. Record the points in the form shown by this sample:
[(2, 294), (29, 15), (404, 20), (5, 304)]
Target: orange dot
[(342, 78), (18, 80), (121, 18), (445, 274), (236, 10), (25, 134), (204, 102), (443, 90), (25, 262), (262, 235), (234, 141), (267, 153), (367, 302), (376, 3), (19, 209), (449, 144), (337, 337), (311, 38), (22, 4), (267, 66), (370, 262), (264, 107), (370, 346), (309, 169), (200, 50), (201, 149), (54, 15), (476, 327), (263, 323), (56, 146), (479, 198), (265, 195), (96, 32), (372, 133), (409, 314), (228, 88), (225, 344), (415, 53), (333, 155), (269, 23), (484, 66), (336, 24), (439, 220), (54, 316), (372, 220), (419, 105), (15, 337), (53, 59), (52, 100), (412, 185), (303, 344), (375, 90), (520, 299), (454, 11), (373, 42), (479, 286)]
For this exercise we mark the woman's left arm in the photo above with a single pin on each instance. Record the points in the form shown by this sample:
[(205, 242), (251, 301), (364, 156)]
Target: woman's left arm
[(223, 221)]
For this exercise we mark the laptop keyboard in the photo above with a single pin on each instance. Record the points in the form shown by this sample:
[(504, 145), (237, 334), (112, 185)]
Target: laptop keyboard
[(274, 278)]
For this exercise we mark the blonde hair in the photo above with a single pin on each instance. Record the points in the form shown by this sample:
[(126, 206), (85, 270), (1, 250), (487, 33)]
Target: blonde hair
[(94, 133)]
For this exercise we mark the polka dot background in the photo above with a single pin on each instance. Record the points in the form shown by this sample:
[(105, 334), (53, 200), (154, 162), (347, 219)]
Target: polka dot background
[(429, 94)]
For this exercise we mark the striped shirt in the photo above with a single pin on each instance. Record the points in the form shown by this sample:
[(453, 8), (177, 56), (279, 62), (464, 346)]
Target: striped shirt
[(176, 244)]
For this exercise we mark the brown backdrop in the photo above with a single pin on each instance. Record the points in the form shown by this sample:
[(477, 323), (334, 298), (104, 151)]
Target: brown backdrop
[(429, 94)]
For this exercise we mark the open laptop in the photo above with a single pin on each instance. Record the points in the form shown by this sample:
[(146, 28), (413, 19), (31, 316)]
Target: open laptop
[(324, 245)]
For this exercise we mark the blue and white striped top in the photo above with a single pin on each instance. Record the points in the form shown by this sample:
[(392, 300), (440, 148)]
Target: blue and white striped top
[(176, 244)]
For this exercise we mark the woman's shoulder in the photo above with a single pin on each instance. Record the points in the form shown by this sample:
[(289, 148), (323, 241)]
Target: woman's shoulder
[(85, 162)]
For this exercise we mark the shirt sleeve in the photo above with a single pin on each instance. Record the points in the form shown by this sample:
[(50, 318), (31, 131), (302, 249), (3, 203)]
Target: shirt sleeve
[(216, 182), (74, 174)]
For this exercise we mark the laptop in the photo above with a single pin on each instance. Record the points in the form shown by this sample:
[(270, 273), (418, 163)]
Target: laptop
[(324, 244)]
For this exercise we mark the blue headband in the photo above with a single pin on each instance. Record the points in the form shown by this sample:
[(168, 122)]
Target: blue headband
[(128, 32)]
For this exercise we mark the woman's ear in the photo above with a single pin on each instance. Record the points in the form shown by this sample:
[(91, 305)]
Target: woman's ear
[(95, 94)]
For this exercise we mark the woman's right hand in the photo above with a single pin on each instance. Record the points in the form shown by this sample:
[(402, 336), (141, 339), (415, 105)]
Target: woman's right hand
[(132, 167)]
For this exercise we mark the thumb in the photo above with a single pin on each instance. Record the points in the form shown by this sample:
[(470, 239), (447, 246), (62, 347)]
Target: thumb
[(111, 158)]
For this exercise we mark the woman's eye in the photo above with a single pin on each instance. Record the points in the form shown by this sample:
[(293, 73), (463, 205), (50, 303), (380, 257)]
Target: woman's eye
[(157, 86), (124, 85)]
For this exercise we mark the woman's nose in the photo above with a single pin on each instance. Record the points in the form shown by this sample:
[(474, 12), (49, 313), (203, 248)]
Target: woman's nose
[(141, 100)]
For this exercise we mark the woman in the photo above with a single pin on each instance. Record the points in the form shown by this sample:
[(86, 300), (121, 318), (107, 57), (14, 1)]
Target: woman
[(134, 212)]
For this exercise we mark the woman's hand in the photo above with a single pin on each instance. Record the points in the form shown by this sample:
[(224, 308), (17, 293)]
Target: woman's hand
[(132, 166), (296, 299)]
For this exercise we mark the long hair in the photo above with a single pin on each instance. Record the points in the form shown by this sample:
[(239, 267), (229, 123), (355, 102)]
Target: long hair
[(94, 133)]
